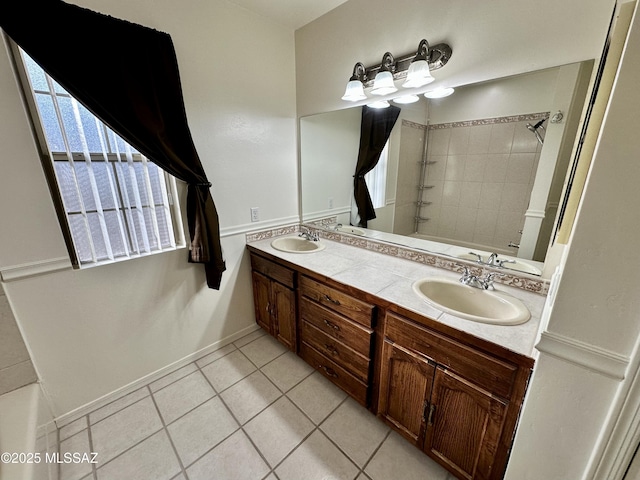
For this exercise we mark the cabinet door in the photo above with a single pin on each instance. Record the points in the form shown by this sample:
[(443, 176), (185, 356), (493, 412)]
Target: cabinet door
[(284, 315), (464, 426), (262, 300), (406, 379)]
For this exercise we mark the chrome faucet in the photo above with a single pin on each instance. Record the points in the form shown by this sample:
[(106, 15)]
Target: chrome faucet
[(309, 235), (492, 261), (474, 281)]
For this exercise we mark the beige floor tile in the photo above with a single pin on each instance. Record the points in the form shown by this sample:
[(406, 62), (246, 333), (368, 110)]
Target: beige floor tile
[(201, 429), (263, 350), (172, 377), (228, 370), (250, 396), (235, 458), (184, 395), (355, 431), (317, 397), (118, 405), (78, 443), (278, 430), (317, 459), (121, 431), (153, 459), (241, 342), (400, 460), (215, 355), (287, 371)]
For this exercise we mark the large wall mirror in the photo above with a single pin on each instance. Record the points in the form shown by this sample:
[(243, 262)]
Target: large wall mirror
[(479, 171)]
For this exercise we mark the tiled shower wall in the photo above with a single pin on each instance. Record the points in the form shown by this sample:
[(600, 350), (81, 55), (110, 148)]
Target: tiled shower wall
[(16, 369), (481, 173)]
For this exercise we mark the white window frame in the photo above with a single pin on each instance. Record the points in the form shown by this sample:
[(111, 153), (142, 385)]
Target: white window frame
[(124, 164)]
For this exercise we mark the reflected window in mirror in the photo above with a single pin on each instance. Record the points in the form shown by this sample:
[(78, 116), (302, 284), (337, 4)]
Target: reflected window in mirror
[(376, 179)]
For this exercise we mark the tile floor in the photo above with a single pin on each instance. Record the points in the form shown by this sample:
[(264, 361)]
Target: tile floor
[(249, 411)]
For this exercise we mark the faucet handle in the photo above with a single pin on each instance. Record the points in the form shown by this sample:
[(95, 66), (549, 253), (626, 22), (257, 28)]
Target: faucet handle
[(501, 262), (477, 255)]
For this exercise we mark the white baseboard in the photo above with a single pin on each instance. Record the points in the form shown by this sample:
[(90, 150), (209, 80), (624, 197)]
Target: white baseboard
[(141, 382)]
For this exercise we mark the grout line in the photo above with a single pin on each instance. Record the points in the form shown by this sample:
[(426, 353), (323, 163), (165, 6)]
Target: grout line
[(117, 411), (166, 431), (94, 468), (373, 454)]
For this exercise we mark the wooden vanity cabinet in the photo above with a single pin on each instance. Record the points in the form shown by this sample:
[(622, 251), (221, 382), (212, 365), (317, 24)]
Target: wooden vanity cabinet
[(336, 336), (274, 299), (448, 399), (452, 395)]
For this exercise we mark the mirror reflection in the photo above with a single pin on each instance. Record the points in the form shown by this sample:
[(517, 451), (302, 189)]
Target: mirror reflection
[(479, 171)]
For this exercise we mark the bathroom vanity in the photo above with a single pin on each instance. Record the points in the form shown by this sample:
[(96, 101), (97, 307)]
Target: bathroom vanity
[(453, 392)]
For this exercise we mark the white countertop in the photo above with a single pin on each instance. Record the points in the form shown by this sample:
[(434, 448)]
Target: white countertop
[(390, 278)]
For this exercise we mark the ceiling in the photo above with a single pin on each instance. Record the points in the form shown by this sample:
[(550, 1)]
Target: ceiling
[(293, 13)]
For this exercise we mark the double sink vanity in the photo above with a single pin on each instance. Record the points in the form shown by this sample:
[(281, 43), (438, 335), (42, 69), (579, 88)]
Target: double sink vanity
[(442, 359)]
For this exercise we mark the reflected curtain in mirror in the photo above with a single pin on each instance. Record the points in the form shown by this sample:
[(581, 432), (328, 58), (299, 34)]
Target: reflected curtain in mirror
[(127, 76), (375, 129)]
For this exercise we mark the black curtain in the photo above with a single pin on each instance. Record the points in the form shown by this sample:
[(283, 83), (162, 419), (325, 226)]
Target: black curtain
[(126, 75), (375, 129)]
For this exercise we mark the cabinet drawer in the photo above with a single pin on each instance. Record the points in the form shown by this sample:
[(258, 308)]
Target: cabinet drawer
[(357, 310), (488, 372), (351, 360), (335, 373), (273, 270), (336, 326)]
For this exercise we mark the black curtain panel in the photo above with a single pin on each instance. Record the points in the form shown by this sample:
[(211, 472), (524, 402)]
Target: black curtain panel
[(375, 129), (126, 75)]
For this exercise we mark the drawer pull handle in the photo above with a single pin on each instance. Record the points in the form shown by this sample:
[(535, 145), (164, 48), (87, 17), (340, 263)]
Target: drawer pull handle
[(332, 350), (329, 299), (332, 325), (328, 371)]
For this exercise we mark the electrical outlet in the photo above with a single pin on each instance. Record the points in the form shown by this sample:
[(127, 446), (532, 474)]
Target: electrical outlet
[(255, 214), (330, 202)]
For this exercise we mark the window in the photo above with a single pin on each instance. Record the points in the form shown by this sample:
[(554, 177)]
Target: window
[(113, 203), (376, 179)]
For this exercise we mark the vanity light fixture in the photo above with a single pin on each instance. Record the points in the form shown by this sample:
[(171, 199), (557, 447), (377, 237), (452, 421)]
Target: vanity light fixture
[(379, 104), (419, 74), (355, 87), (383, 83), (405, 99), (439, 92), (415, 69)]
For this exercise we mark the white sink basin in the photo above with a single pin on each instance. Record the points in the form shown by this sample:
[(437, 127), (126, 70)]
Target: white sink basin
[(296, 245), (351, 230), (519, 266), (485, 306)]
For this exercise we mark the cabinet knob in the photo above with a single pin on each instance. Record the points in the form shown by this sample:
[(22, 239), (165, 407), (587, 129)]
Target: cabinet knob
[(328, 371), (332, 350), (332, 325), (329, 299)]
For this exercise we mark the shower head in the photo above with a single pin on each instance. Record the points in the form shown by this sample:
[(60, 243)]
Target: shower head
[(534, 129)]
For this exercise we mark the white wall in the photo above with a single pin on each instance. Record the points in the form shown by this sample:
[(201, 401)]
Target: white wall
[(94, 331)]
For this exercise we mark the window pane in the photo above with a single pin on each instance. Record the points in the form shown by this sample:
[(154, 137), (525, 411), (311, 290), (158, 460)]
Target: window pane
[(165, 238), (85, 185), (97, 236), (50, 123), (67, 186), (69, 122), (142, 183), (115, 236), (80, 238), (38, 80), (148, 219), (101, 172), (154, 177)]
